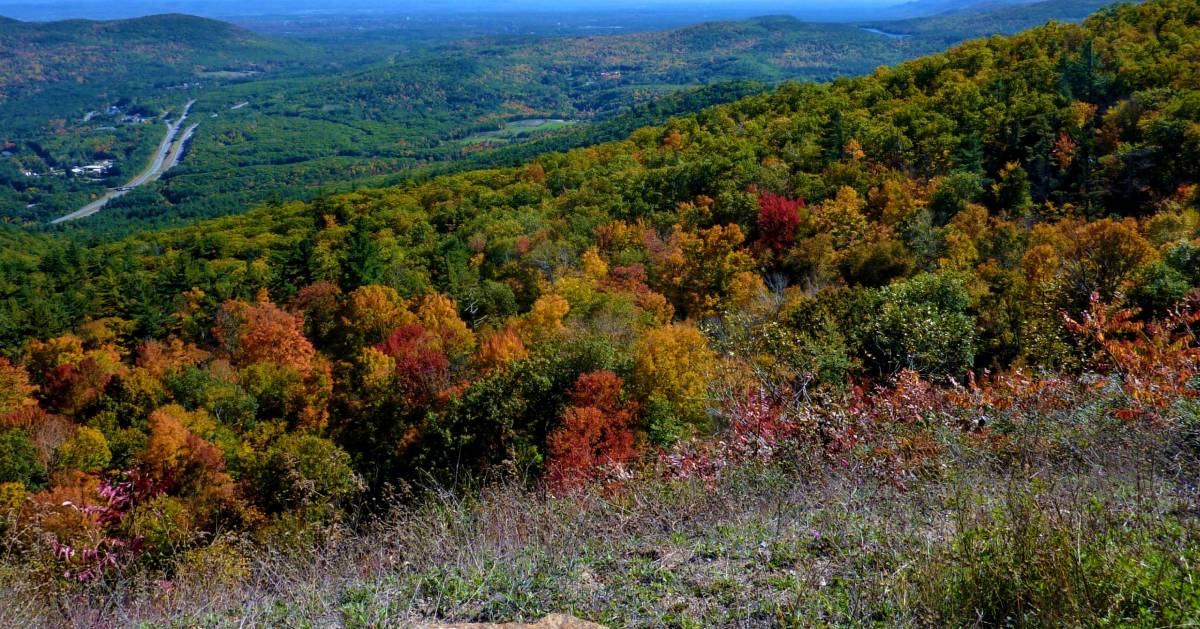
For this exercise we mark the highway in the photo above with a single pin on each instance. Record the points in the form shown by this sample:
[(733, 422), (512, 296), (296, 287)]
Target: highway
[(168, 154)]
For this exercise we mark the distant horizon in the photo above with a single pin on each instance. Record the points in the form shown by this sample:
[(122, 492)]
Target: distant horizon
[(54, 10)]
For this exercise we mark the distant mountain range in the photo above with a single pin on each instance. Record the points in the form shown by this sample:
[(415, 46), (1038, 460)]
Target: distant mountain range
[(149, 51), (233, 10)]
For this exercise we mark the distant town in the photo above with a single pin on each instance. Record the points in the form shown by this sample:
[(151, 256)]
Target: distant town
[(97, 170)]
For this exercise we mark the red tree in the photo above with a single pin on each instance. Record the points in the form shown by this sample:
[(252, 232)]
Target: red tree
[(422, 368), (778, 219), (595, 435)]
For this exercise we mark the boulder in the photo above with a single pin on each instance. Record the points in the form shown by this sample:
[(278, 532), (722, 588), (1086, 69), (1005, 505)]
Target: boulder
[(553, 621)]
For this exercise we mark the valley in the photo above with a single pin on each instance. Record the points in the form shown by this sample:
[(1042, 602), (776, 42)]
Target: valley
[(302, 124), (744, 323), (168, 154)]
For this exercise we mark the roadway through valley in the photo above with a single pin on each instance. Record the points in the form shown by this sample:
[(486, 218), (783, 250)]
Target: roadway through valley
[(168, 154)]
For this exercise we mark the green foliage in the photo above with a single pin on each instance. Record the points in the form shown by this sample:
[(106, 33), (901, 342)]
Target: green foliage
[(1157, 287), (1023, 564), (86, 450), (663, 426), (19, 460), (924, 324), (952, 195), (305, 473)]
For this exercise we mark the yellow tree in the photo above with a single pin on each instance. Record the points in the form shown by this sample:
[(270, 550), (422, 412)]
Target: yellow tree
[(15, 390), (545, 319), (440, 317), (373, 311), (500, 348), (695, 269), (673, 365)]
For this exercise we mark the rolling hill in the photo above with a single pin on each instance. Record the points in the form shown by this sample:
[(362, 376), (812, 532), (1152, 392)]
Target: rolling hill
[(426, 105), (913, 348), (150, 52)]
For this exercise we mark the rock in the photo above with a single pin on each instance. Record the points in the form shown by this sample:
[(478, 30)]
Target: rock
[(553, 621)]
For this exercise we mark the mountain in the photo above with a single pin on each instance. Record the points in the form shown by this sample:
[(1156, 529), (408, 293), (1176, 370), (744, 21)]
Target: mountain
[(152, 51), (955, 26), (913, 348), (928, 8), (424, 105)]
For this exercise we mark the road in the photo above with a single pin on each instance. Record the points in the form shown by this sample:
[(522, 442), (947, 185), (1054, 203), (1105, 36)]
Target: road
[(169, 151)]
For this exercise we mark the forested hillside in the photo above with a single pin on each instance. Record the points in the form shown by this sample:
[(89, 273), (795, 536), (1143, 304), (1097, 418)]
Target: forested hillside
[(148, 52), (365, 111), (978, 264)]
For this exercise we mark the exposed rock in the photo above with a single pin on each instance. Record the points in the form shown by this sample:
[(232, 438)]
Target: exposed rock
[(553, 621)]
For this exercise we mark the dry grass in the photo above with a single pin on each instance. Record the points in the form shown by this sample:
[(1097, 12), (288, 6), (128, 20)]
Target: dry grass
[(1081, 521)]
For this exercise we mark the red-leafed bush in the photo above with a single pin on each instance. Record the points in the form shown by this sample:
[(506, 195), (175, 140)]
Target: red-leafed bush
[(595, 438), (422, 368), (1156, 363), (778, 219)]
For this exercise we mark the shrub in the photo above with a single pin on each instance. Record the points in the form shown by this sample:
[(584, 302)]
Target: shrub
[(923, 324), (1039, 565), (19, 461), (303, 472), (596, 435), (86, 450)]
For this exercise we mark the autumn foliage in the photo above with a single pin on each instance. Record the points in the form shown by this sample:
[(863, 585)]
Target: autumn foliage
[(596, 436), (778, 219)]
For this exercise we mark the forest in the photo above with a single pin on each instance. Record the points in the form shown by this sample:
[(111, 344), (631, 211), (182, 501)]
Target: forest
[(315, 115), (956, 293)]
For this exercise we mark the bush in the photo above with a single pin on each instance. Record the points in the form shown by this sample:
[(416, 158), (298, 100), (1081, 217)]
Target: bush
[(19, 460), (304, 472), (1032, 564), (1157, 287), (923, 324), (86, 450)]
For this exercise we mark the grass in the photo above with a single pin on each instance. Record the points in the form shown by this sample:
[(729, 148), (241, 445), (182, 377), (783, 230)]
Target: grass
[(518, 130), (1079, 520)]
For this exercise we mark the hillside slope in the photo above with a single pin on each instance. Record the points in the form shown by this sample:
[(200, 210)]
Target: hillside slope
[(453, 102), (152, 51), (915, 348)]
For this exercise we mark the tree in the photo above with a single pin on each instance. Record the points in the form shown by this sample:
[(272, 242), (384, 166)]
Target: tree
[(924, 325), (952, 194), (262, 332), (500, 348), (422, 367), (185, 465), (1099, 257), (304, 473), (545, 319), (842, 218), (694, 269), (363, 261), (19, 459), (372, 312), (15, 389), (674, 363), (1012, 190), (778, 219), (438, 314), (86, 451), (595, 435)]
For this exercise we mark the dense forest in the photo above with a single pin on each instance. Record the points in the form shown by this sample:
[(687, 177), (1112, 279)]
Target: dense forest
[(310, 118), (893, 271)]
